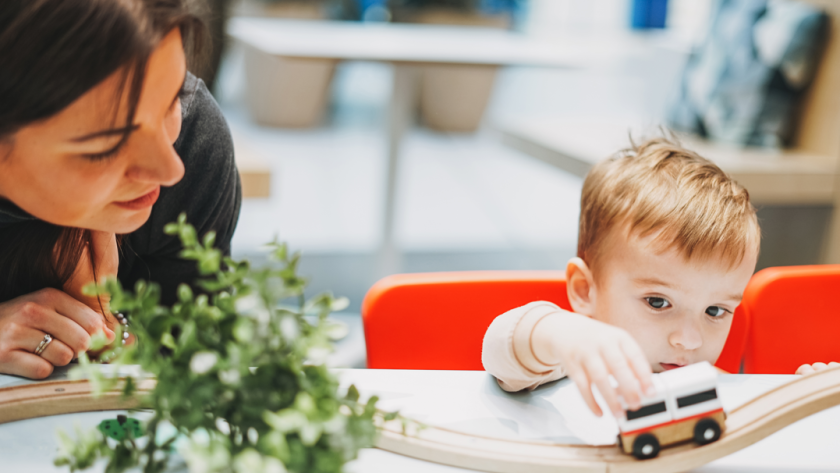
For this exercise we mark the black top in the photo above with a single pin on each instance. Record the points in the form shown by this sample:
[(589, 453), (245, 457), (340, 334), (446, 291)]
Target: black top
[(210, 193)]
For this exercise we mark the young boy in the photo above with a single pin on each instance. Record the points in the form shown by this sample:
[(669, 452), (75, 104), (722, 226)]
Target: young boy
[(666, 246)]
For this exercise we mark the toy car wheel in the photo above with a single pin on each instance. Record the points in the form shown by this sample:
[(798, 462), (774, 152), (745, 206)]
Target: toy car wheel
[(706, 431), (645, 446)]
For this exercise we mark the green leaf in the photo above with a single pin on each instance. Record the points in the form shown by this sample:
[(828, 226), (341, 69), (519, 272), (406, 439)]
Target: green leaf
[(243, 330), (188, 236), (185, 294), (209, 239), (352, 393), (340, 304), (168, 341), (98, 341)]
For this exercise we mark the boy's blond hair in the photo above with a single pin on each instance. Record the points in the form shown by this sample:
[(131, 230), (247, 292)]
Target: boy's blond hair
[(662, 187)]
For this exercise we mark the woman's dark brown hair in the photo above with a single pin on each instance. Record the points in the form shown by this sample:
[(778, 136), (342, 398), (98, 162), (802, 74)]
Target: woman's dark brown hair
[(51, 53)]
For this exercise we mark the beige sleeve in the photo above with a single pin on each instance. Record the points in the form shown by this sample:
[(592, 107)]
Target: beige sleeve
[(516, 370)]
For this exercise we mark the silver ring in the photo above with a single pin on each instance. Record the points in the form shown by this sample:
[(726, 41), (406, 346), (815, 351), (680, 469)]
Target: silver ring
[(43, 345)]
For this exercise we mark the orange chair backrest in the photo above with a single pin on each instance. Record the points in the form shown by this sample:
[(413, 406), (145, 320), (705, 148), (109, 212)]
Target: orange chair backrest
[(437, 321), (795, 318)]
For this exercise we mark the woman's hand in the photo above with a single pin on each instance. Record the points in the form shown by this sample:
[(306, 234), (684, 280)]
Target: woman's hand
[(807, 369), (107, 259), (590, 351), (25, 320)]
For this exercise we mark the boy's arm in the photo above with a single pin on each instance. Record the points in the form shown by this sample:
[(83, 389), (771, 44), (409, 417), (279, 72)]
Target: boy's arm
[(525, 347), (507, 353)]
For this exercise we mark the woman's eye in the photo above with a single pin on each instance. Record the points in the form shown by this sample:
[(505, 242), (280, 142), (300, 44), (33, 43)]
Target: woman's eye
[(176, 102), (103, 156), (716, 311), (657, 302)]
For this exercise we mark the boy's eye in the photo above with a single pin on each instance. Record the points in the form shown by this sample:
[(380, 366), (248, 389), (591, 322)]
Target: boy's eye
[(716, 311), (657, 302)]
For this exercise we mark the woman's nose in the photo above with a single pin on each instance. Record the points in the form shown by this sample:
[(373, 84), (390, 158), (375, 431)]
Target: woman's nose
[(156, 162)]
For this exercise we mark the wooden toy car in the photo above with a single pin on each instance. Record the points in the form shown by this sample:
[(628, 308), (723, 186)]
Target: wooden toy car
[(685, 407)]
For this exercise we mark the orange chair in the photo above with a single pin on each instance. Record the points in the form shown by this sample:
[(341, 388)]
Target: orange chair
[(795, 318), (436, 321)]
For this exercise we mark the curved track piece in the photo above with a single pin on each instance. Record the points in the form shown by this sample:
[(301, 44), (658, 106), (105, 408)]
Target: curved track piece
[(63, 397), (745, 426)]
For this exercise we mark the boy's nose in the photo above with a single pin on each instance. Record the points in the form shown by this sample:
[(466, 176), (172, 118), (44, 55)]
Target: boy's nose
[(686, 337)]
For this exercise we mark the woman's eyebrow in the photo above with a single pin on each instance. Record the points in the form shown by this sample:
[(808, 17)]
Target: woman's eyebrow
[(110, 132), (126, 129)]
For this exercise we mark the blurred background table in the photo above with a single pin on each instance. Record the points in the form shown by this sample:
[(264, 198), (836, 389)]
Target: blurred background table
[(406, 47), (471, 401)]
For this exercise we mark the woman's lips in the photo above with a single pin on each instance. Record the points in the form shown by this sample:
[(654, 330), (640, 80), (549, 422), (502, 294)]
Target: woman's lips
[(670, 366), (141, 202)]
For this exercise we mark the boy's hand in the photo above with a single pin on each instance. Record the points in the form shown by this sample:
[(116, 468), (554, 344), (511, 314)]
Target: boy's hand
[(590, 351), (807, 369)]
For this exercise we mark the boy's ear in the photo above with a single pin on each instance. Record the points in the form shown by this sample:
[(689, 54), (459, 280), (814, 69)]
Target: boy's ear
[(580, 287)]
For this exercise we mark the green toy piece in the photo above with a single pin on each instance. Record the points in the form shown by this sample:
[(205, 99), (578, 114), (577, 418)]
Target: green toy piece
[(118, 428)]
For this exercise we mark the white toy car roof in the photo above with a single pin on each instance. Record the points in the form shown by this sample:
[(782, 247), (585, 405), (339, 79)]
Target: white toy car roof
[(690, 379)]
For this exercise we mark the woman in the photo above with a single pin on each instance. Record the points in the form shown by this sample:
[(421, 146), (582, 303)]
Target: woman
[(104, 137)]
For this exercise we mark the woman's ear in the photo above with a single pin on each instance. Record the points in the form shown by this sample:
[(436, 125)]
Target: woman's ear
[(580, 287)]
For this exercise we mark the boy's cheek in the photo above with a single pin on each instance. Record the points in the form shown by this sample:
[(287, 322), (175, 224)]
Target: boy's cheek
[(653, 340), (715, 343)]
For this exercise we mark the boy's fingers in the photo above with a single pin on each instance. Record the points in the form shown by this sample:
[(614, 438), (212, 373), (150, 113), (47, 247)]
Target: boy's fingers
[(584, 386), (627, 384), (819, 366), (804, 369), (597, 372), (640, 366)]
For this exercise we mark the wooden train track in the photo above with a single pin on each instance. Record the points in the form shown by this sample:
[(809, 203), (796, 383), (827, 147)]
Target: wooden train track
[(745, 425), (53, 398)]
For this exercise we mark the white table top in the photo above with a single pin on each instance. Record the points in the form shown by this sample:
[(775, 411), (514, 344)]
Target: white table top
[(401, 43), (471, 401)]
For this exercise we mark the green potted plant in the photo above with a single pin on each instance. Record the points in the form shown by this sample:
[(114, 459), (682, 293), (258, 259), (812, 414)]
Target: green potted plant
[(241, 384)]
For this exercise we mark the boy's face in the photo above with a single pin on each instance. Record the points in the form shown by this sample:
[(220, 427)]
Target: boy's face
[(679, 311)]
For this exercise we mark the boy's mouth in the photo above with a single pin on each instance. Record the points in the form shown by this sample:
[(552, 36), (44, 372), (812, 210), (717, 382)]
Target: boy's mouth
[(670, 366)]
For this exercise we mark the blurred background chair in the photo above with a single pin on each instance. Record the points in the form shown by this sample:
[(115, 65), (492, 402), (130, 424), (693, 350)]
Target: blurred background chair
[(795, 318), (437, 321)]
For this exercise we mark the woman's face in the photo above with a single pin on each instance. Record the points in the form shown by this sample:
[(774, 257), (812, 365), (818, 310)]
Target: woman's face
[(71, 170)]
